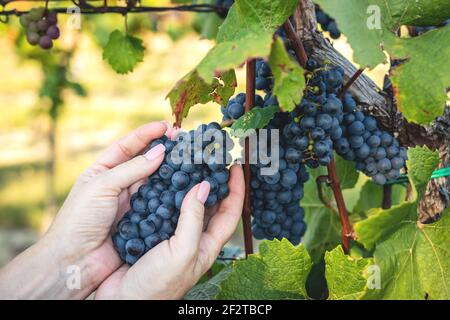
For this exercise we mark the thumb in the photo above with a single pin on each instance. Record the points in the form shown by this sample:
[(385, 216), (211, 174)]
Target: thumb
[(130, 172), (190, 224)]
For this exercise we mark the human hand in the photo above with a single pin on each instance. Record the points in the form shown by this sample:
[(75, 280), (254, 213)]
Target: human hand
[(171, 268), (100, 195)]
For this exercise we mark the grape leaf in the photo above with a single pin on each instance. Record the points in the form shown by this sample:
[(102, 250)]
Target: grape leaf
[(256, 118), (347, 172), (354, 24), (421, 164), (421, 82), (278, 271), (192, 90), (382, 223), (209, 289), (289, 77), (415, 261), (246, 33), (123, 52), (419, 12), (345, 275)]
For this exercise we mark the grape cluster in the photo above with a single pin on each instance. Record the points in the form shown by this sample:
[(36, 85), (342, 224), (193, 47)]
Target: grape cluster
[(276, 195), (195, 156), (327, 23), (376, 153), (40, 26), (316, 120)]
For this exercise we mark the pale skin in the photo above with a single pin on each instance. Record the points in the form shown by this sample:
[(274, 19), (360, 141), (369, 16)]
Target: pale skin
[(81, 233)]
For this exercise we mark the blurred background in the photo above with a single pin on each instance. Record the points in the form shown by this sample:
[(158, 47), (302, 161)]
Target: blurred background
[(60, 109)]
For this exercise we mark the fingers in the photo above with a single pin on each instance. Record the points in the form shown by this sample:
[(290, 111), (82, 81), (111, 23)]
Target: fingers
[(129, 146), (130, 172), (190, 223), (223, 224)]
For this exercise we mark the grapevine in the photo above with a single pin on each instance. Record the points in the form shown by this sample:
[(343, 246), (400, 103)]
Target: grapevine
[(311, 121)]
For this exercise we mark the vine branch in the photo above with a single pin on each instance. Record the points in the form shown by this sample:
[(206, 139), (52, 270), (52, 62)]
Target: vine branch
[(249, 103), (118, 9), (320, 181), (347, 229)]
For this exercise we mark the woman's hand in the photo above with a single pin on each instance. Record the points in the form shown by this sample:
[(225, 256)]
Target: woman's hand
[(174, 266), (78, 244), (76, 255)]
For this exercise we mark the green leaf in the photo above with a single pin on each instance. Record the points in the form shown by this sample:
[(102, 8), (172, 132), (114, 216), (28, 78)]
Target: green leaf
[(246, 33), (210, 25), (421, 164), (256, 118), (422, 81), (345, 275), (353, 23), (192, 90), (123, 52), (419, 12), (347, 172), (278, 271), (382, 223), (415, 261), (371, 197), (289, 77), (230, 54), (209, 289)]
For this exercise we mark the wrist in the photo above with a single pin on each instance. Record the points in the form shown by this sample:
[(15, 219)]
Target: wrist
[(81, 271)]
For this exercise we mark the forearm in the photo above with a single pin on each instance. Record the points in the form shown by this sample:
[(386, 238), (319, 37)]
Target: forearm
[(45, 271)]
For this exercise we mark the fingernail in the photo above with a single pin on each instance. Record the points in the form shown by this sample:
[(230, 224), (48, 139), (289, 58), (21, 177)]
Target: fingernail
[(203, 192), (155, 152)]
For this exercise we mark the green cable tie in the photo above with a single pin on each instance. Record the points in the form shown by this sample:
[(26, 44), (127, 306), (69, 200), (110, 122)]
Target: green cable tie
[(444, 172), (403, 178)]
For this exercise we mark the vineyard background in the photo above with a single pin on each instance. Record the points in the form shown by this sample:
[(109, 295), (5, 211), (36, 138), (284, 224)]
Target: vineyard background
[(114, 105)]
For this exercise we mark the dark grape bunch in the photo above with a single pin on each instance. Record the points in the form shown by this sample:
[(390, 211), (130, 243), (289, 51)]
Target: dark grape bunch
[(275, 196), (377, 153), (40, 26), (327, 23), (196, 156), (316, 120)]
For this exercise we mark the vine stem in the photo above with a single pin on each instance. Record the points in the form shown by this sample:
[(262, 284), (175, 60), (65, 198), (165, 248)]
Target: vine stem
[(246, 213), (122, 10), (387, 197), (347, 232), (320, 181), (299, 49), (351, 81)]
